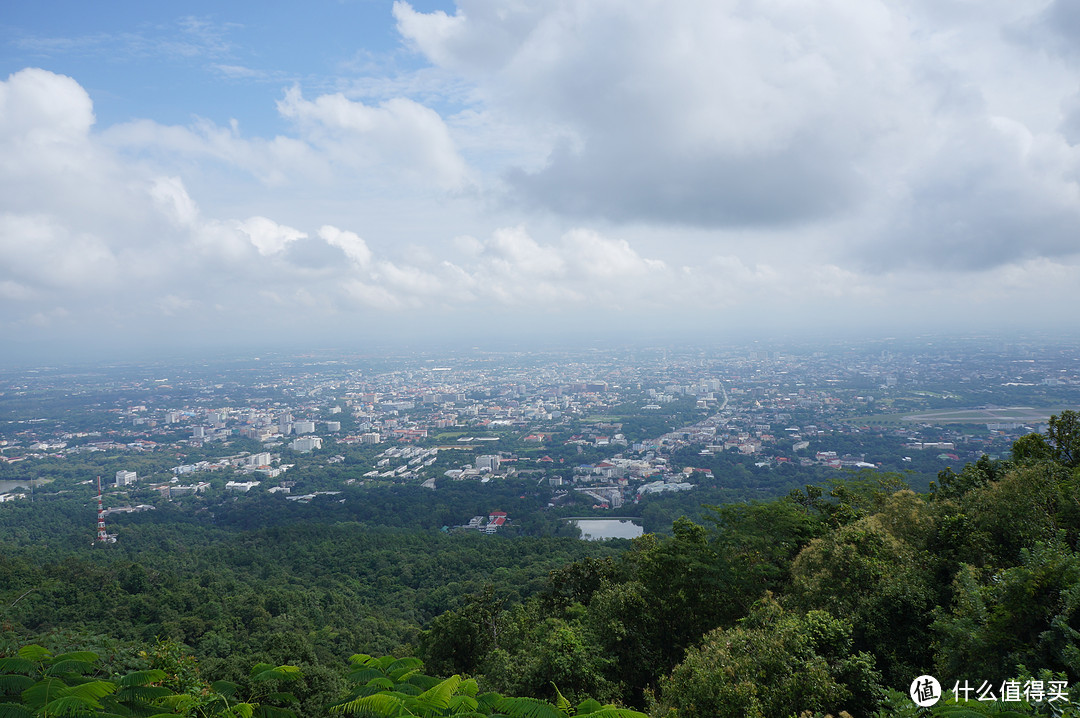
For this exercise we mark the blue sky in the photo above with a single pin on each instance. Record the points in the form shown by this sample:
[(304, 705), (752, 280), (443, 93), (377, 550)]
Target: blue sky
[(220, 61), (203, 174)]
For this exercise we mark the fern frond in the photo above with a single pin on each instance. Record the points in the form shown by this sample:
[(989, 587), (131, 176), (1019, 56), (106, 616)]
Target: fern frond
[(84, 656), (14, 710), (363, 675), (225, 688), (43, 691), (462, 704), (528, 708), (34, 652), (379, 705), (282, 698), (610, 711), (488, 701), (561, 702), (70, 665), (380, 682), (15, 683), (270, 673), (91, 690), (69, 705), (408, 664), (142, 678), (241, 710), (16, 665), (142, 693), (438, 696)]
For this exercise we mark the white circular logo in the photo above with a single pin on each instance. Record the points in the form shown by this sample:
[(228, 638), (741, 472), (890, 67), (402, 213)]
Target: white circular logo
[(925, 691)]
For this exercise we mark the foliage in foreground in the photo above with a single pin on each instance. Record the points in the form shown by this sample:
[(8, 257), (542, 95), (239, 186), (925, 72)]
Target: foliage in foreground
[(36, 684)]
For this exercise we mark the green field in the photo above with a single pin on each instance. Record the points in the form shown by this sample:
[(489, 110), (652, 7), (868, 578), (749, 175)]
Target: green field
[(1010, 414)]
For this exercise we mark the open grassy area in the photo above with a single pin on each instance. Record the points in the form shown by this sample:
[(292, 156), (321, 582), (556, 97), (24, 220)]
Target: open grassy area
[(1001, 415)]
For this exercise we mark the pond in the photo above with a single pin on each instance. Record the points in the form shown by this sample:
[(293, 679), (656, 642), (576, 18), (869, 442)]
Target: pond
[(596, 529)]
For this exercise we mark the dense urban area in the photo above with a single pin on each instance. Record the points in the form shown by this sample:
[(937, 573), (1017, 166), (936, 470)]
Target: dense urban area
[(613, 426)]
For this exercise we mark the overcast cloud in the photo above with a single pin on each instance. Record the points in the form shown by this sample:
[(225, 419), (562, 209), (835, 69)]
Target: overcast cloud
[(566, 162)]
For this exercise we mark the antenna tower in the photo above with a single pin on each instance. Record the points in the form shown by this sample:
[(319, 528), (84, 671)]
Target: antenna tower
[(102, 537)]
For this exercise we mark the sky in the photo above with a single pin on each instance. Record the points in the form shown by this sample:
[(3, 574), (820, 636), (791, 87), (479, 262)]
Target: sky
[(248, 174)]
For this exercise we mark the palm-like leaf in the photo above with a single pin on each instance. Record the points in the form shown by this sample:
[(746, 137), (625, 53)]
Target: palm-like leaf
[(142, 693), (84, 656), (70, 665), (16, 665), (42, 692), (438, 696), (364, 674), (380, 705), (34, 652), (268, 672), (91, 690), (69, 705), (14, 710), (143, 678), (462, 705), (528, 708), (15, 683)]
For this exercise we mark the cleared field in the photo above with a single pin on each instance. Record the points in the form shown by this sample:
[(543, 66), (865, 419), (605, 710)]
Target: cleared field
[(983, 415)]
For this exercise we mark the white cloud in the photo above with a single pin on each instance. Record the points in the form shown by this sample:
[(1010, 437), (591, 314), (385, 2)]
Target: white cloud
[(268, 236), (400, 136), (922, 132), (355, 248)]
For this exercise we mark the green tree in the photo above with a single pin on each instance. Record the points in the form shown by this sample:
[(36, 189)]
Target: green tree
[(773, 664)]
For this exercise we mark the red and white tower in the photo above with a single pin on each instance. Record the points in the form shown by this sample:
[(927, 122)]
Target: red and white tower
[(102, 537)]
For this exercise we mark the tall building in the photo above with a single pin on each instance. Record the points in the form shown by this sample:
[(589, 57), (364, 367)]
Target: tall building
[(123, 478), (489, 462), (306, 443)]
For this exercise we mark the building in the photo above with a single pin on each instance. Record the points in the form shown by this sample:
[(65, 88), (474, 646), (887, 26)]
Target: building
[(260, 459), (489, 462), (303, 427), (124, 478), (306, 443), (241, 485)]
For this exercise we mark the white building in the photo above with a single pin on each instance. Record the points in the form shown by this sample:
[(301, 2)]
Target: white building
[(260, 459), (303, 427), (333, 426), (123, 478), (487, 461), (241, 485), (306, 443)]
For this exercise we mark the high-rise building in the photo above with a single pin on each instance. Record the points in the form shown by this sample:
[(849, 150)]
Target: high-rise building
[(490, 462)]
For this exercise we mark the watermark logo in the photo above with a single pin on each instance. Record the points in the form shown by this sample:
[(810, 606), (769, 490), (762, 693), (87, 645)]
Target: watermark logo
[(925, 691)]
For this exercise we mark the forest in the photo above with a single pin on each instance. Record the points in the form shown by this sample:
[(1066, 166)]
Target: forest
[(829, 600)]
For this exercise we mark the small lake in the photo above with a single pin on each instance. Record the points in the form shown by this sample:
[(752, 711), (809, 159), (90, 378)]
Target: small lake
[(596, 529), (9, 486)]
